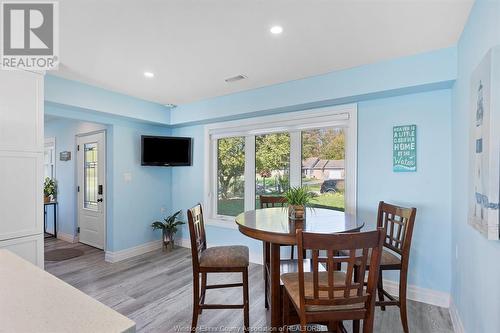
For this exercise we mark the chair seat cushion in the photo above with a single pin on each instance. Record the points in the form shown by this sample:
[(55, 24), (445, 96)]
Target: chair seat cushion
[(388, 259), (225, 257), (291, 284)]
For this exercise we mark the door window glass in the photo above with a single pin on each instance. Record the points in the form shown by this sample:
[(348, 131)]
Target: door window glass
[(90, 175)]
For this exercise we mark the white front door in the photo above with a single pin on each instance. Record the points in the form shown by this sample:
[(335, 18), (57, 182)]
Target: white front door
[(91, 171)]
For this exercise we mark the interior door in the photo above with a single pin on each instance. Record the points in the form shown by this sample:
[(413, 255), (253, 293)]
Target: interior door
[(91, 171)]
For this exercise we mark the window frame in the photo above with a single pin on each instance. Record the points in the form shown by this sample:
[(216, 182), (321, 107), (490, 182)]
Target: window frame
[(50, 148), (344, 116)]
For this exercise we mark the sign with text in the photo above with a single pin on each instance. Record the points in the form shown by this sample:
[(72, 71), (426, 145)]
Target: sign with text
[(30, 39), (404, 148)]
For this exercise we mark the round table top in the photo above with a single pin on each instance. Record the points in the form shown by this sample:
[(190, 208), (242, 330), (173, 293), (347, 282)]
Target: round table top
[(272, 224)]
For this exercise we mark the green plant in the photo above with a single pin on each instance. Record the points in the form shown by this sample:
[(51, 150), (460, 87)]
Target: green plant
[(50, 187), (169, 225), (298, 196)]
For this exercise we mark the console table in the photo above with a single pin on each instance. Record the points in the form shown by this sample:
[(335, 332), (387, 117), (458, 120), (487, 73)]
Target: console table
[(54, 210)]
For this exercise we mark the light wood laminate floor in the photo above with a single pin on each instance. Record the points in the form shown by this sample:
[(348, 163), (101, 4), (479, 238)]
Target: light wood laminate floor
[(155, 290)]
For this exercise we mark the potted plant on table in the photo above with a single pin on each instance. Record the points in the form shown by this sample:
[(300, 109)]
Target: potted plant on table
[(49, 190), (168, 228), (298, 199)]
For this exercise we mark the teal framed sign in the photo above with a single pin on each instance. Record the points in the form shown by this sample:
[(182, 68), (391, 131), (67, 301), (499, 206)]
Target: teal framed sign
[(404, 151)]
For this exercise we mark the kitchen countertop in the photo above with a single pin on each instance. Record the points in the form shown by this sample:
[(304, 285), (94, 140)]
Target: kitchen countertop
[(32, 300)]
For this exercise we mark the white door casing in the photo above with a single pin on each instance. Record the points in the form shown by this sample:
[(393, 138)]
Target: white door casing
[(91, 174)]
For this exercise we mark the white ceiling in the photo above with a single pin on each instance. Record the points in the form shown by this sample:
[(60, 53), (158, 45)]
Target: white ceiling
[(193, 45)]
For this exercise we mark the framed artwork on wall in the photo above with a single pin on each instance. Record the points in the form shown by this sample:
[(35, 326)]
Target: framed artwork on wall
[(484, 151), (404, 148)]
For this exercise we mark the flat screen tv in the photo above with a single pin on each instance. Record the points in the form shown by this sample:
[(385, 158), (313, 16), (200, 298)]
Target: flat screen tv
[(165, 151)]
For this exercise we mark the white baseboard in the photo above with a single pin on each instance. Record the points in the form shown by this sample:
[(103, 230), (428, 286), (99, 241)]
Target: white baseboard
[(183, 243), (67, 237), (419, 294), (458, 327), (113, 257)]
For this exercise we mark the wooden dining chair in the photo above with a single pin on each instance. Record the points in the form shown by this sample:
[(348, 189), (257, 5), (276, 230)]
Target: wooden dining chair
[(218, 259), (332, 296), (398, 223), (270, 201)]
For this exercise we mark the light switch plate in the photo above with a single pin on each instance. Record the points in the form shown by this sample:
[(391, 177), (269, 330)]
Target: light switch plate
[(127, 177)]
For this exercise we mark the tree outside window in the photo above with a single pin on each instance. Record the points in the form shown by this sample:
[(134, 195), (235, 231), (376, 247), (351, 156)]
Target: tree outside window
[(272, 164), (230, 175)]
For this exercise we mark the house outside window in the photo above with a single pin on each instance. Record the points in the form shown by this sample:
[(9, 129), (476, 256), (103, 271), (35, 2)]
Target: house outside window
[(323, 166)]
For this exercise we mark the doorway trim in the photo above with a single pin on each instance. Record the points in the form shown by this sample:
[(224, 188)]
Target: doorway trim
[(105, 183)]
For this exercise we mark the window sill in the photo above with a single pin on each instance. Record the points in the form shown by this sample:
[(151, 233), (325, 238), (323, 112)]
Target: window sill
[(222, 223)]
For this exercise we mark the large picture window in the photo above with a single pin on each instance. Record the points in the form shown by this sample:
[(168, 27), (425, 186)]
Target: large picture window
[(268, 155)]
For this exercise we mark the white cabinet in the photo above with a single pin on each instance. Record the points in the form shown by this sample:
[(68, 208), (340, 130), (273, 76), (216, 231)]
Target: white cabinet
[(21, 111), (29, 248), (21, 202), (21, 164)]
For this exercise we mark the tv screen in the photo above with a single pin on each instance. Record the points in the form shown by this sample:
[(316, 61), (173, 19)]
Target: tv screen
[(165, 151)]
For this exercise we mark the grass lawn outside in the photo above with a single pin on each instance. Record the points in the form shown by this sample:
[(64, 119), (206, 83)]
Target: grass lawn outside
[(230, 207), (233, 207), (334, 200)]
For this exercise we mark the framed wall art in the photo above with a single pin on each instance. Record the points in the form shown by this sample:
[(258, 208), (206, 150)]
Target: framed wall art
[(484, 151)]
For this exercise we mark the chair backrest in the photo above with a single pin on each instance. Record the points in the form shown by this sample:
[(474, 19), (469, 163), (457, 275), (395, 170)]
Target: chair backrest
[(350, 249), (197, 234), (398, 223), (268, 201)]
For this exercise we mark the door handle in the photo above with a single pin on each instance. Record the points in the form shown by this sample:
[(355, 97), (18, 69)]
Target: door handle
[(99, 190), (99, 200)]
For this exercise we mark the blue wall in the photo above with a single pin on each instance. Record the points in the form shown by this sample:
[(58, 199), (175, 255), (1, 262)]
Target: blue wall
[(132, 206), (475, 269), (138, 203), (428, 189)]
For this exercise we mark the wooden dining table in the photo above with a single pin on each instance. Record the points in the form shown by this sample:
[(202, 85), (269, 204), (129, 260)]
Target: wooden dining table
[(273, 227)]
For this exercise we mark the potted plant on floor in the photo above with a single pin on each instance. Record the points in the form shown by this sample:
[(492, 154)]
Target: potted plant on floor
[(298, 199), (168, 228), (49, 190)]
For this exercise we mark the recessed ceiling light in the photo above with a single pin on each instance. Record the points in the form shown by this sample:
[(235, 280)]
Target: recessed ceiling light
[(276, 30), (149, 74)]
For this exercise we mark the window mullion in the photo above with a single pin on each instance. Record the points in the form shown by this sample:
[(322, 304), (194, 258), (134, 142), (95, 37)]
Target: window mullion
[(214, 187), (249, 172), (295, 158)]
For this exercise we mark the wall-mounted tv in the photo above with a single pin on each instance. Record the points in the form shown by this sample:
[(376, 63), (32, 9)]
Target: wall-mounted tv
[(165, 151)]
